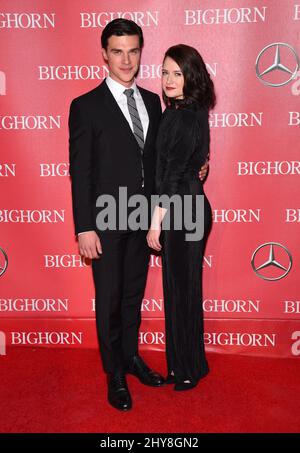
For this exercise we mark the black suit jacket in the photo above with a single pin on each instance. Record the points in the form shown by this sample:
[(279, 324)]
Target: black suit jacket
[(104, 153)]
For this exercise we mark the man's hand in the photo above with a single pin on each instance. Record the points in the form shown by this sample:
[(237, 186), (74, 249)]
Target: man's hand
[(89, 245), (203, 171)]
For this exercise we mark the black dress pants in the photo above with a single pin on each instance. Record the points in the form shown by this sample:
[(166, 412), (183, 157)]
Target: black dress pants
[(120, 278)]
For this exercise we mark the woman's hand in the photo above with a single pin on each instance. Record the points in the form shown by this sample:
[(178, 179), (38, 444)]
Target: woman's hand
[(153, 238)]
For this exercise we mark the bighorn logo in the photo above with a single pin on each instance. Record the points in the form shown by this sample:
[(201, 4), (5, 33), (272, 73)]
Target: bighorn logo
[(269, 67), (271, 268), (3, 261)]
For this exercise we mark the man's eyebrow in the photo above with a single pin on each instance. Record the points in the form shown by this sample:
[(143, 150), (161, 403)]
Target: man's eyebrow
[(134, 48)]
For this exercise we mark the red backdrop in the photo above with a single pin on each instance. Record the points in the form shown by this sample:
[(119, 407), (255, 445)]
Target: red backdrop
[(50, 53)]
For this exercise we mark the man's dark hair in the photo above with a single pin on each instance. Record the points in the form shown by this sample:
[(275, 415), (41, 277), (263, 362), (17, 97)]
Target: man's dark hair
[(121, 27)]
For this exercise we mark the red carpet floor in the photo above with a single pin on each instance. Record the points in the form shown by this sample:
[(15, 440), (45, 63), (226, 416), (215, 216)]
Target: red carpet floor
[(48, 390)]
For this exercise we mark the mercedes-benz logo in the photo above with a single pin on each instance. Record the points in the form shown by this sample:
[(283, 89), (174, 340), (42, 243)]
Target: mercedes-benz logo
[(270, 58), (3, 261), (265, 255)]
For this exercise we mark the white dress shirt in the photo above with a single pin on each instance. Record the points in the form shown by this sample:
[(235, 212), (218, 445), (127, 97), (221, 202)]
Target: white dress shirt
[(117, 90)]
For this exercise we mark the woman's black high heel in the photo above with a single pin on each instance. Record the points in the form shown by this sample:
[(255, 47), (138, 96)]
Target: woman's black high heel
[(170, 379), (179, 386)]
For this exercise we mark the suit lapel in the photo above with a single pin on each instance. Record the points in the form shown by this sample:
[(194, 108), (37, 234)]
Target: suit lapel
[(113, 107), (117, 114), (150, 115)]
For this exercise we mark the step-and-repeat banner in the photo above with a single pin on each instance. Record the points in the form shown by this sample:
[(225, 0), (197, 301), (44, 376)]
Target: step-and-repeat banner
[(49, 54)]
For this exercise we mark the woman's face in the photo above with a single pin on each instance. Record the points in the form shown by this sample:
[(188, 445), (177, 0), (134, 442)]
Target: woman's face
[(172, 79)]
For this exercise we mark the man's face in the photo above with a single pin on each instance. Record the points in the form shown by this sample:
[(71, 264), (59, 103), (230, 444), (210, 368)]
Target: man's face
[(123, 56)]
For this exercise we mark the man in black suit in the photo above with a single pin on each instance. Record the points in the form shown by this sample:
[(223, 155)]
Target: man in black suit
[(113, 130)]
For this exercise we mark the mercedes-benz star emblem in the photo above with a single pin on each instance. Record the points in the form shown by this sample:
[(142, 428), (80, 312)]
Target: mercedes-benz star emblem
[(3, 261), (270, 68), (269, 267)]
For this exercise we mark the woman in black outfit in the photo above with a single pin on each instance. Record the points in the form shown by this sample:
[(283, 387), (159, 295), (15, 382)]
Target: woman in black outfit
[(183, 147)]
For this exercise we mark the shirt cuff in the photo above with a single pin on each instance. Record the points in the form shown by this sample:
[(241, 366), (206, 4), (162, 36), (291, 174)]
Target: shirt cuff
[(78, 234)]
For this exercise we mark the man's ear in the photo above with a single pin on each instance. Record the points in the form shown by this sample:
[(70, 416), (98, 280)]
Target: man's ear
[(104, 54)]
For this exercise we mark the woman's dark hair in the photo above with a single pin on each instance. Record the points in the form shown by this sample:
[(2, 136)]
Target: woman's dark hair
[(198, 87), (121, 27)]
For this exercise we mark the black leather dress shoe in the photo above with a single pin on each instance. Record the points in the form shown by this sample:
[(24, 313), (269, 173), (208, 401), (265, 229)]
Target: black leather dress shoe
[(138, 368), (118, 393)]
